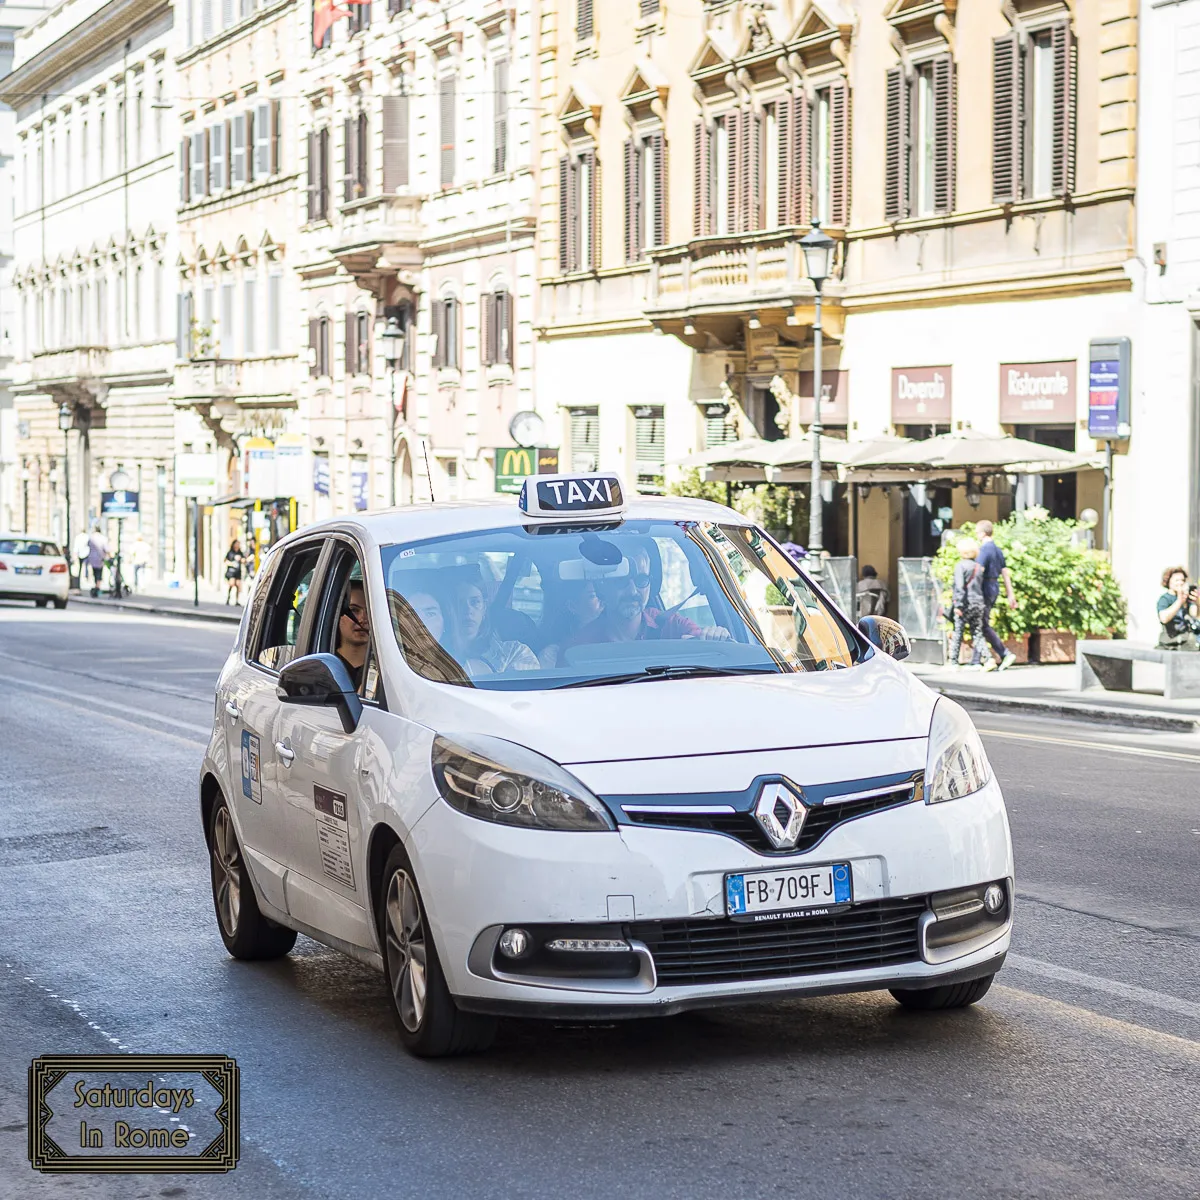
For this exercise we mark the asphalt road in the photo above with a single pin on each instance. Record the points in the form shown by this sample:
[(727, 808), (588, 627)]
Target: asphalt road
[(1079, 1074)]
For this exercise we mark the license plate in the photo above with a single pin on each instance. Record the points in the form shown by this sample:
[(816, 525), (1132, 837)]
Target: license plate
[(29, 570), (792, 892)]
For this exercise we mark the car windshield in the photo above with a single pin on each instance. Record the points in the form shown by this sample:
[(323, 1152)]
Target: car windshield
[(548, 606), (28, 546)]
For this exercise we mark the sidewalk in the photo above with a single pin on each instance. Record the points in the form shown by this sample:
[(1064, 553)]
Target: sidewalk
[(1050, 690), (161, 600)]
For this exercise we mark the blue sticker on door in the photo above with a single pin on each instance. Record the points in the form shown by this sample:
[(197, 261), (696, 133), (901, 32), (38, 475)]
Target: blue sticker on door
[(251, 767)]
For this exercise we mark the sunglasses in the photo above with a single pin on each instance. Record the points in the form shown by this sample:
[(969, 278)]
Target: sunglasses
[(641, 580)]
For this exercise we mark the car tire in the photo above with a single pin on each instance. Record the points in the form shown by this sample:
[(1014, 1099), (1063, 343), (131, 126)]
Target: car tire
[(247, 934), (41, 601), (430, 1024), (60, 603), (950, 995)]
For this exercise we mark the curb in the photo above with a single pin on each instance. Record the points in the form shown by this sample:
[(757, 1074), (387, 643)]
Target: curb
[(152, 610), (1141, 718)]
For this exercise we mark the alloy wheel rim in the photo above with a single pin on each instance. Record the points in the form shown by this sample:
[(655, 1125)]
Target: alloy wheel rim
[(226, 872), (406, 950)]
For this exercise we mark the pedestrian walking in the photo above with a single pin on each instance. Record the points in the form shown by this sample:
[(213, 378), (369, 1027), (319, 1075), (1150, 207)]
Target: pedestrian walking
[(968, 602), (995, 569), (871, 594), (235, 566), (97, 556), (79, 551), (1178, 612), (139, 555)]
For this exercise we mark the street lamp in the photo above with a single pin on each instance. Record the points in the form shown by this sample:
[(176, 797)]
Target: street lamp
[(119, 481), (66, 418), (818, 249), (393, 350)]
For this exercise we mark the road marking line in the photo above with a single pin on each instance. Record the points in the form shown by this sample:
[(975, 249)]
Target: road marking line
[(90, 704), (1127, 991), (1134, 750)]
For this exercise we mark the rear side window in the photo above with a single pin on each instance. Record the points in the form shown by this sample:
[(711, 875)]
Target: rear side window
[(288, 595), (29, 546)]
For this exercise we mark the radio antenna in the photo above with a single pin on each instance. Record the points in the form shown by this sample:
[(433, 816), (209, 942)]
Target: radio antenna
[(428, 472)]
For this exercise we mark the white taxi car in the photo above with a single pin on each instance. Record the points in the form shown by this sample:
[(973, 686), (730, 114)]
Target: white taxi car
[(589, 757), (33, 568)]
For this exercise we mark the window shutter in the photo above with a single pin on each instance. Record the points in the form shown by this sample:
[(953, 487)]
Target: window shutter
[(437, 326), (585, 25), (350, 155), (185, 168), (446, 118), (361, 152), (395, 143), (312, 176), (785, 180), (945, 122), (351, 343), (839, 154), (565, 181), (500, 118), (504, 326), (276, 136), (216, 157), (249, 313), (487, 322), (199, 168), (1065, 73), (237, 150), (658, 143), (274, 311), (251, 172), (895, 177), (452, 331), (701, 180), (183, 325), (314, 331), (632, 200), (733, 122), (752, 200), (261, 132), (1007, 148), (593, 171), (323, 173)]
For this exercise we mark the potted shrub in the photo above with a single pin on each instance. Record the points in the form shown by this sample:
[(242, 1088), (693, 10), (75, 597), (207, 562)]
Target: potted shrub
[(1064, 590)]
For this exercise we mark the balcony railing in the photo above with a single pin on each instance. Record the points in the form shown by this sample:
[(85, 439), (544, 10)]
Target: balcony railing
[(255, 380), (378, 227), (70, 363), (729, 271)]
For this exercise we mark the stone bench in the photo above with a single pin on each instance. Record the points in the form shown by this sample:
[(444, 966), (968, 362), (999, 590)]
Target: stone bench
[(1110, 665)]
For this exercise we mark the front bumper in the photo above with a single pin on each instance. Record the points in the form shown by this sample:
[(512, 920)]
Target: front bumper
[(479, 878)]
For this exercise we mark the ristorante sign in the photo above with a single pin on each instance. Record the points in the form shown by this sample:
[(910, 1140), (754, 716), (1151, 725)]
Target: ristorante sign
[(1037, 393)]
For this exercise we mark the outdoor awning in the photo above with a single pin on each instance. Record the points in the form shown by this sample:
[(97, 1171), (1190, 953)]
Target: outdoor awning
[(754, 460), (954, 456)]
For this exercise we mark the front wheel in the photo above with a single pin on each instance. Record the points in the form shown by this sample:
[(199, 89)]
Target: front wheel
[(950, 995), (247, 934), (431, 1025), (42, 601), (60, 603)]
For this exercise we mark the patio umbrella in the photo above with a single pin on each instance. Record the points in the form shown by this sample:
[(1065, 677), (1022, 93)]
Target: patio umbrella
[(971, 450)]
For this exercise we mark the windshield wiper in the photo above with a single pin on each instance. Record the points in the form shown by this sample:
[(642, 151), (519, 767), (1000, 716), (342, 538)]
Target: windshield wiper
[(668, 672)]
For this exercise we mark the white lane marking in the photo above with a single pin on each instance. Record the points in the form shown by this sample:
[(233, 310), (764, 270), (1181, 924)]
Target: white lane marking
[(1127, 991), (1138, 751), (90, 705), (71, 1004)]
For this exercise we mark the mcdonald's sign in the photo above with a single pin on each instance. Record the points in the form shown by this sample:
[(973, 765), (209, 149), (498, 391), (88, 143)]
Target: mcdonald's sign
[(514, 464)]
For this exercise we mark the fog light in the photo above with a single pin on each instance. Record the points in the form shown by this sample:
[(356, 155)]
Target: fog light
[(514, 943), (589, 945), (993, 898)]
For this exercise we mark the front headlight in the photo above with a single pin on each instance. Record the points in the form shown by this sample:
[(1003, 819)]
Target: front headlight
[(956, 764), (500, 781)]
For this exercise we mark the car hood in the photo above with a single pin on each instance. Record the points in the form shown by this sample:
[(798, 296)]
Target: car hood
[(874, 701)]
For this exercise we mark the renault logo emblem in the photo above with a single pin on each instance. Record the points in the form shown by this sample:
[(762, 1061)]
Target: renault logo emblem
[(781, 814)]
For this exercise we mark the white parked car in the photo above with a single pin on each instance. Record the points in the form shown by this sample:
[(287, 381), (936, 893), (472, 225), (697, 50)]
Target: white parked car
[(33, 568), (584, 757)]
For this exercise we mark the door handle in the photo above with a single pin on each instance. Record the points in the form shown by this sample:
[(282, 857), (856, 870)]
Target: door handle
[(231, 707), (286, 754)]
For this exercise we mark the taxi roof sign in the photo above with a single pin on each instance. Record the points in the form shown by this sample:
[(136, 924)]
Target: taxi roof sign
[(593, 495)]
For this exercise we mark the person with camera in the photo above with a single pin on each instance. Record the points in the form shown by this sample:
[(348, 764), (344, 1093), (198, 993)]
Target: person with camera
[(1178, 612)]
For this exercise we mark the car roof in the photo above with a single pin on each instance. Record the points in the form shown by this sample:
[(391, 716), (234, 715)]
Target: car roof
[(29, 537), (417, 522)]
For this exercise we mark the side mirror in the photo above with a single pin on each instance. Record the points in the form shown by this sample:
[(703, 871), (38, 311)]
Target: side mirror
[(321, 680), (885, 633)]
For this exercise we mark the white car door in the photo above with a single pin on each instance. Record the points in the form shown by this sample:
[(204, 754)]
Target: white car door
[(251, 712)]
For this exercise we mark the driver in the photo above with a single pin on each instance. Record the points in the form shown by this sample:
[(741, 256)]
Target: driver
[(354, 633), (626, 617)]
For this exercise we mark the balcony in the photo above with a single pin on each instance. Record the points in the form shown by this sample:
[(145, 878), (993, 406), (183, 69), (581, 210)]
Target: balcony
[(248, 382), (70, 366), (378, 236), (721, 281)]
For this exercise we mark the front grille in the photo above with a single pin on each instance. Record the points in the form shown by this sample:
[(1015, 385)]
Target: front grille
[(742, 825), (879, 934)]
